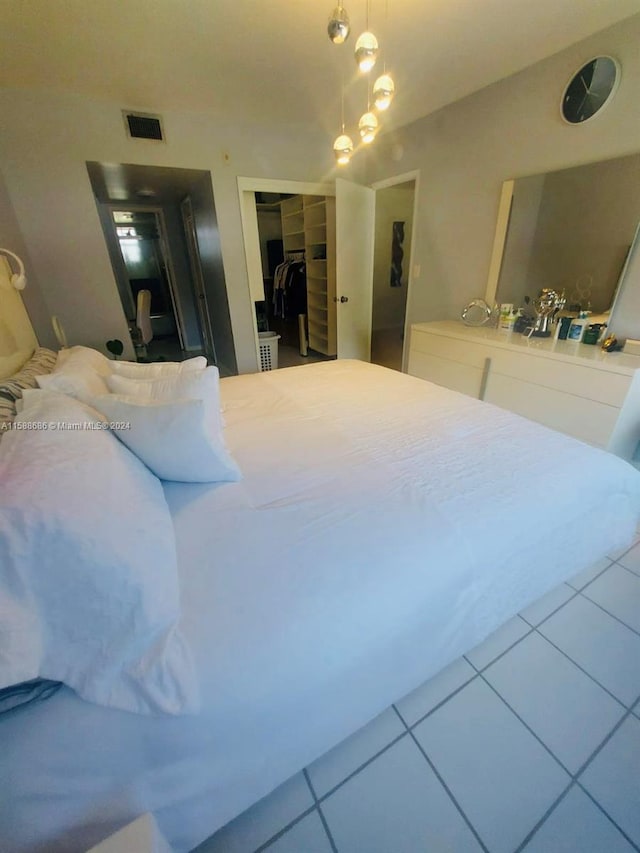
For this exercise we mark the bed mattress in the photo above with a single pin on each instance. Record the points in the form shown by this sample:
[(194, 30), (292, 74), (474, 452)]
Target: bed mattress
[(384, 526)]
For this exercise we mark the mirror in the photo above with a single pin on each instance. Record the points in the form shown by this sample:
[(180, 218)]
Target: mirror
[(569, 230)]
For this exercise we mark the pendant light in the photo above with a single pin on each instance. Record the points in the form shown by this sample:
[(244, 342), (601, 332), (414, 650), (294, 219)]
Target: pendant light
[(366, 51), (343, 146), (339, 26), (343, 149), (383, 91), (368, 127), (384, 87), (368, 124)]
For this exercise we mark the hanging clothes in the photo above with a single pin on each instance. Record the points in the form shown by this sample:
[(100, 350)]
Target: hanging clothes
[(290, 289)]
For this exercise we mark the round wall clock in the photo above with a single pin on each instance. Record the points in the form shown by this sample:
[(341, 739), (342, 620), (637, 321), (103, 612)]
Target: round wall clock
[(590, 89)]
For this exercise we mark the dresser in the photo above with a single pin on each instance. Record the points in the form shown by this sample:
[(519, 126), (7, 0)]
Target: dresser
[(575, 388)]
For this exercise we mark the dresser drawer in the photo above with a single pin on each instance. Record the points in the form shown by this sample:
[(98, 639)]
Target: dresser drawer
[(443, 371), (579, 380), (588, 420), (464, 352)]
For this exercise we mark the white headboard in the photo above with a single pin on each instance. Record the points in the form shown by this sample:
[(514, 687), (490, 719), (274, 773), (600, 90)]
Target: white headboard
[(16, 331)]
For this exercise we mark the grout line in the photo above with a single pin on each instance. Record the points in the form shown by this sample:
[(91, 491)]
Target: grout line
[(480, 672), (360, 768), (607, 815), (440, 779), (595, 577), (443, 783), (439, 705), (613, 615), (582, 669), (327, 830), (602, 745), (527, 726), (266, 844), (503, 653), (574, 593), (320, 812), (627, 569), (544, 817), (581, 769)]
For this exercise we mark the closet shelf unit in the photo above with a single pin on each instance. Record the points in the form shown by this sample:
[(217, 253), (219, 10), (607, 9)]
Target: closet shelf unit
[(309, 223)]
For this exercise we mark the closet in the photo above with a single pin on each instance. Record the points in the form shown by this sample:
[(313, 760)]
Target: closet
[(309, 233)]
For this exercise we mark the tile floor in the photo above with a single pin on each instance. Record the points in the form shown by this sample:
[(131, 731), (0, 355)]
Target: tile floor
[(531, 743)]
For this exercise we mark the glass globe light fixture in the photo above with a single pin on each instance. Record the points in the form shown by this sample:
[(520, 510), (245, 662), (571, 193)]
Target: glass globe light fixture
[(383, 91), (343, 149), (368, 127), (366, 51), (338, 27)]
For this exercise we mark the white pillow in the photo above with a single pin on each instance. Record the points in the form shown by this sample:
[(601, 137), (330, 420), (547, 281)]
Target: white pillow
[(83, 358), (89, 589), (81, 383), (156, 369), (177, 440), (196, 385)]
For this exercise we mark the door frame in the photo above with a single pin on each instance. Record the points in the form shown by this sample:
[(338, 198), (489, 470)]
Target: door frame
[(197, 278), (247, 189), (414, 271)]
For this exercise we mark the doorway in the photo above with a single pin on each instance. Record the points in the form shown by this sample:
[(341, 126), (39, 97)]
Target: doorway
[(340, 258), (141, 239), (267, 245), (394, 228), (184, 267)]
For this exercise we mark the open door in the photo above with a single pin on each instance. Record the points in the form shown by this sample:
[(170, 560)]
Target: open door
[(355, 223)]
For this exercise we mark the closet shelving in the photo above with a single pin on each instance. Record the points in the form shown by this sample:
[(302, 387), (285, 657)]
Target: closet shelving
[(308, 222)]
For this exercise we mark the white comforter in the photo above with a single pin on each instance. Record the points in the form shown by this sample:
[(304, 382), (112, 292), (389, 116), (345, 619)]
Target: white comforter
[(383, 527)]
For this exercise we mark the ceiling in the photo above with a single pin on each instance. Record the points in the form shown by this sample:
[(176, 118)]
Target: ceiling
[(142, 185), (257, 61)]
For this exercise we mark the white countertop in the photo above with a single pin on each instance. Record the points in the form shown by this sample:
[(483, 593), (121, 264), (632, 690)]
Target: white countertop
[(569, 351)]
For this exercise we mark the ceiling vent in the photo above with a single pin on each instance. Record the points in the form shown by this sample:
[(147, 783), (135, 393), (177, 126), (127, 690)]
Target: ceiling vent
[(144, 126)]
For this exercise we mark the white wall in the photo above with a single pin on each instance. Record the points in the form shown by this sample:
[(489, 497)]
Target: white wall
[(465, 151), (47, 139), (393, 204), (11, 238)]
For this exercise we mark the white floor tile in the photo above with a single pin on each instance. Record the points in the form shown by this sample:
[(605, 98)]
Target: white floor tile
[(631, 560), (545, 606), (502, 777), (498, 642), (591, 573), (612, 778), (418, 703), (307, 836), (344, 759), (562, 705), (258, 824), (577, 825), (618, 591), (396, 804), (605, 648)]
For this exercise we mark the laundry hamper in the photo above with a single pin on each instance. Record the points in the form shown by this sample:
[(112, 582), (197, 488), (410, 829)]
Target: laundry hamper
[(268, 350)]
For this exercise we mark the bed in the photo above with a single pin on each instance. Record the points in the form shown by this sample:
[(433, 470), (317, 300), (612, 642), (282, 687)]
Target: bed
[(378, 515)]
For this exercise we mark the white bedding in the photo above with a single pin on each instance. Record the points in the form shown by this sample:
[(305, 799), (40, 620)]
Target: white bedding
[(383, 527)]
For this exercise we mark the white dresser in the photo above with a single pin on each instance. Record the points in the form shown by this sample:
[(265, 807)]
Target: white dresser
[(574, 388)]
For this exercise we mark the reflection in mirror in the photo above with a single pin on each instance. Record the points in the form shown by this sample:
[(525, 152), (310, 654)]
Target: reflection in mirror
[(571, 231)]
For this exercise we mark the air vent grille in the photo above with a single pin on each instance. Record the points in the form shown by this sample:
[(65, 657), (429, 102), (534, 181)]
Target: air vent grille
[(144, 126)]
